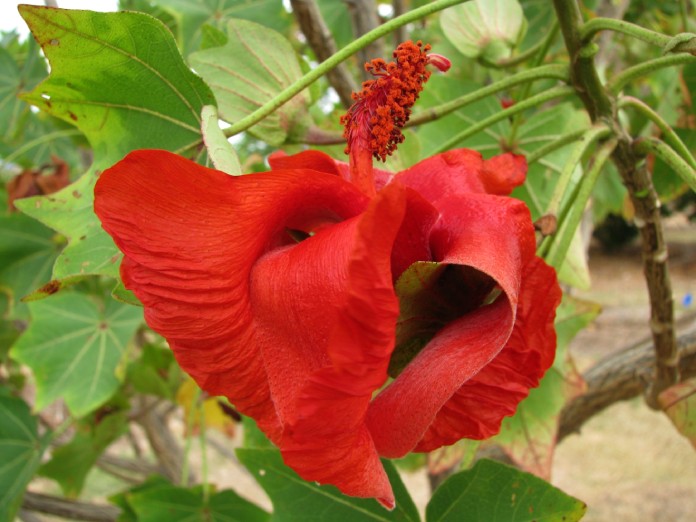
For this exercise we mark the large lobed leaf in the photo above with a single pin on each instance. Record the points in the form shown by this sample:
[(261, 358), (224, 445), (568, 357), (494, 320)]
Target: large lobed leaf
[(254, 66), (120, 79), (493, 492), (20, 453), (157, 500), (192, 17), (296, 499), (75, 346)]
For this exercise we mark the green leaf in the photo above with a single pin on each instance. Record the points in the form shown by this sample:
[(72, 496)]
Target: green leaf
[(668, 183), (529, 436), (15, 78), (20, 453), (487, 28), (27, 252), (193, 16), (119, 78), (220, 150), (541, 128), (175, 504), (440, 89), (296, 499), (679, 403), (71, 463), (493, 492), (75, 346), (212, 37), (155, 372), (254, 66), (90, 251)]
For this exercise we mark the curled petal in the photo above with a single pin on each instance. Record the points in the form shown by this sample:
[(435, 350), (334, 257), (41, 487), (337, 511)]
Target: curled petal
[(190, 236), (477, 409), (462, 171), (493, 235), (325, 313)]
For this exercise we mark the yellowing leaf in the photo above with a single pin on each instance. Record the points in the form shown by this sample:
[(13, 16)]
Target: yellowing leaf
[(213, 413)]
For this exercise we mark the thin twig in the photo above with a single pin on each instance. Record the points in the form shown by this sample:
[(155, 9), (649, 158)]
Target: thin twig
[(322, 43), (364, 17), (623, 376), (71, 509)]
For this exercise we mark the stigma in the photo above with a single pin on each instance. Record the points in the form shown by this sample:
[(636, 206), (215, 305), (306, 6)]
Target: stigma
[(381, 109)]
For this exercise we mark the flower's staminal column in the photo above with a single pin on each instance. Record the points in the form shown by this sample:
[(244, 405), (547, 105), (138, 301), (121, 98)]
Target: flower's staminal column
[(373, 123)]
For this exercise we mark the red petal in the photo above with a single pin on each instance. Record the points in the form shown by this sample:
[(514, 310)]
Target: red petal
[(463, 171), (477, 410), (326, 439), (314, 159), (495, 236), (308, 159), (190, 236)]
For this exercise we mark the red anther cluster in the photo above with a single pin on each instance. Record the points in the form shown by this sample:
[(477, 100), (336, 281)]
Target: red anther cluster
[(383, 106)]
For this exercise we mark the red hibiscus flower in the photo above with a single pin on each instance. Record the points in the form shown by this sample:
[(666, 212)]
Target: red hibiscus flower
[(351, 312)]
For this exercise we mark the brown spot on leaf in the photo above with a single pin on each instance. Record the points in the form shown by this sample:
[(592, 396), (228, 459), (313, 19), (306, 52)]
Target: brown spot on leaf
[(82, 238), (54, 41), (72, 115), (76, 194), (49, 288), (114, 259)]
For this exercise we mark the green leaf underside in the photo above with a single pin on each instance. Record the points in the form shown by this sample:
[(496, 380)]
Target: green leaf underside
[(441, 89), (220, 151), (296, 499), (253, 66), (71, 463), (539, 130), (20, 453), (164, 501), (74, 346), (486, 28), (193, 16), (120, 79), (493, 492)]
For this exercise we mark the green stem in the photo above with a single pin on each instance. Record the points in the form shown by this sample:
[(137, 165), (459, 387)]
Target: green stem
[(594, 134), (190, 421), (671, 137), (346, 52), (569, 224), (591, 28), (539, 58), (632, 73), (561, 141), (204, 452), (556, 92), (557, 71), (663, 151)]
